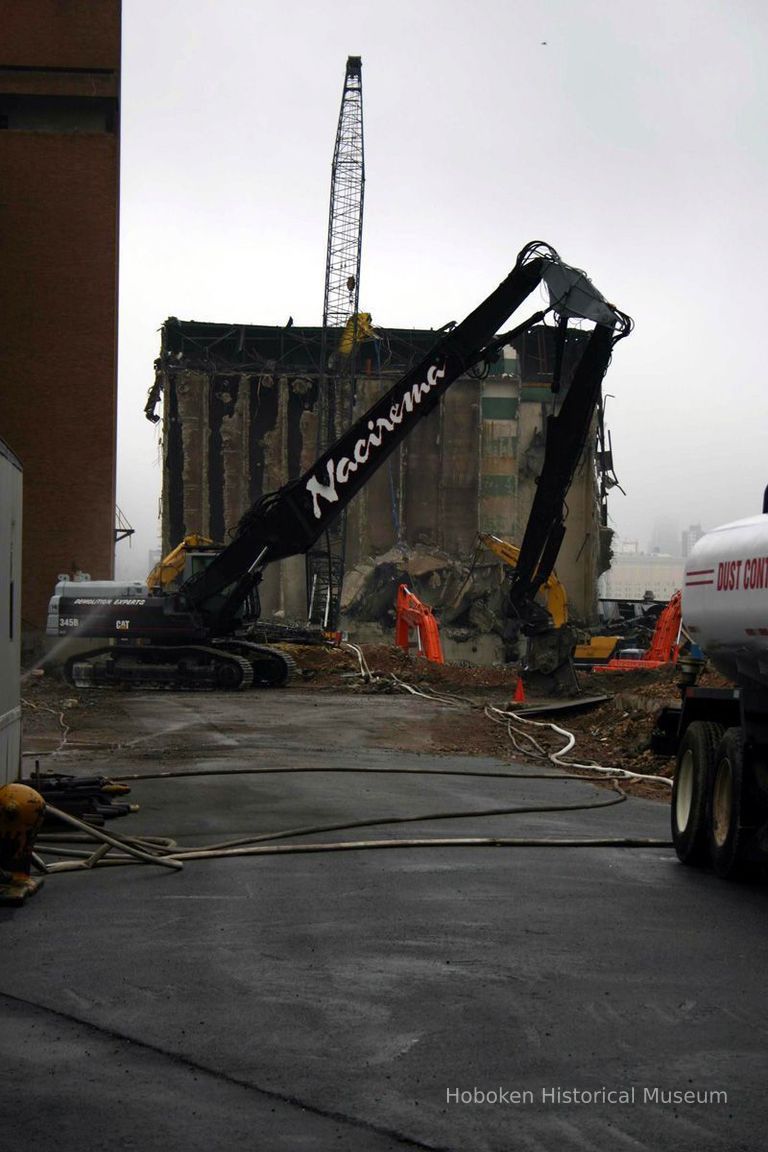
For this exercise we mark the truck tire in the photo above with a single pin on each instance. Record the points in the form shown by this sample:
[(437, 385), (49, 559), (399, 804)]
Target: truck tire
[(726, 807), (691, 791)]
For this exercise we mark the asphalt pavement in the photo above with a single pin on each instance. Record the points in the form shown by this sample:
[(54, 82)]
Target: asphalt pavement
[(461, 997)]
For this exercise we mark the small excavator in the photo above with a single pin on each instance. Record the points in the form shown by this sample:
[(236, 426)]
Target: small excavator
[(197, 636), (663, 648), (415, 616)]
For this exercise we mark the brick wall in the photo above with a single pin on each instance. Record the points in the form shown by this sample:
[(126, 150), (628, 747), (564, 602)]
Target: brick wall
[(58, 284), (60, 34)]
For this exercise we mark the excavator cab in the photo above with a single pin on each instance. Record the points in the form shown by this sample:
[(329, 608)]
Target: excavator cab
[(191, 556)]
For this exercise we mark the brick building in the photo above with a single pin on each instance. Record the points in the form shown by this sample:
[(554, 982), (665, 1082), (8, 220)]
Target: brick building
[(59, 179)]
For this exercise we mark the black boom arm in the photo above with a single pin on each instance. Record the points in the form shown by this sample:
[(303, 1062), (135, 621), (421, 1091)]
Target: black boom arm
[(288, 522), (566, 438)]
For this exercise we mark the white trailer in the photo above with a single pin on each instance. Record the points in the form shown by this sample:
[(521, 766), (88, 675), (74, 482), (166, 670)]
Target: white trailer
[(10, 616)]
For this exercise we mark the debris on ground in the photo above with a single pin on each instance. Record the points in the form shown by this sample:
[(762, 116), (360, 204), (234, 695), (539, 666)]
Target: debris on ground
[(615, 733)]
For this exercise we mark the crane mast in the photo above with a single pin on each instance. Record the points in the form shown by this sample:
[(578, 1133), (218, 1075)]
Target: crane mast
[(336, 383)]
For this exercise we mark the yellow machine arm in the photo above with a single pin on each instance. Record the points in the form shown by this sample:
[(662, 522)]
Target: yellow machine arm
[(172, 565), (555, 594), (356, 330)]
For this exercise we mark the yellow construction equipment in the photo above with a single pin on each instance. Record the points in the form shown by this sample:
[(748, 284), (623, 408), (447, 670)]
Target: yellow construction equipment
[(357, 329), (555, 595), (599, 649), (172, 566)]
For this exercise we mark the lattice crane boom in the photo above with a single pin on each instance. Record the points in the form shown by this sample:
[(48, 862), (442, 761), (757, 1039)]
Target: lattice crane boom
[(336, 387), (345, 214)]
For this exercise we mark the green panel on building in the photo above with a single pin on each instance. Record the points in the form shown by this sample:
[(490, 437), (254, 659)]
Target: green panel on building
[(499, 407), (536, 393)]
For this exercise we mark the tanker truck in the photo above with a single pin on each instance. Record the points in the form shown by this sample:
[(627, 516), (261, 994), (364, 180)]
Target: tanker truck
[(720, 735)]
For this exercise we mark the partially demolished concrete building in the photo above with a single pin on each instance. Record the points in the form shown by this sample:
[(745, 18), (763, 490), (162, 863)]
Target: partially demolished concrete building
[(240, 419)]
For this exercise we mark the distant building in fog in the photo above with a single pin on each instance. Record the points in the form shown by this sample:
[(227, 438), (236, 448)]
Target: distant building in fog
[(632, 574), (665, 537), (693, 533)]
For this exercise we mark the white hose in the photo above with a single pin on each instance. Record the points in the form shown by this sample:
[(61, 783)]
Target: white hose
[(365, 671), (507, 717), (557, 757)]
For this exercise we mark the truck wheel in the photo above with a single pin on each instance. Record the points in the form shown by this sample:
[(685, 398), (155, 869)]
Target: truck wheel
[(691, 788), (726, 832)]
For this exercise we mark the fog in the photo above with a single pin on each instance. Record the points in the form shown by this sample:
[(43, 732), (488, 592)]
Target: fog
[(630, 137)]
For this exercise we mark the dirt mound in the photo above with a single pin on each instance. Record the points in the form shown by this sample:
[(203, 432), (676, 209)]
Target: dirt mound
[(614, 733)]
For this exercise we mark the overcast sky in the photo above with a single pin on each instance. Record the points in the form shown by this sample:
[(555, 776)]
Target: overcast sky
[(633, 140)]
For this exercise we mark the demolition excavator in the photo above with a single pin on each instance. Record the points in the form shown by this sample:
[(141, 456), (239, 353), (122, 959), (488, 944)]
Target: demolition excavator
[(197, 636)]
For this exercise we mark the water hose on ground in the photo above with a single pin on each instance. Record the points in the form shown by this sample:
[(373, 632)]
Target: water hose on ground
[(165, 852)]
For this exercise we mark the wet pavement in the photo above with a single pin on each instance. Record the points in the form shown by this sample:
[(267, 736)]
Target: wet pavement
[(435, 997)]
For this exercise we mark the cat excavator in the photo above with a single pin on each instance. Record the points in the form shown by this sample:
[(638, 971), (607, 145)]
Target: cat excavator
[(197, 635)]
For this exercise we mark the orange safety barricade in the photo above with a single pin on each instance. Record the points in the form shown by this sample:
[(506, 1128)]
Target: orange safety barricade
[(411, 613)]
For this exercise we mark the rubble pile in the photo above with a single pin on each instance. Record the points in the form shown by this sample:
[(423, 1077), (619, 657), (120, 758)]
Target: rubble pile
[(331, 667), (462, 595)]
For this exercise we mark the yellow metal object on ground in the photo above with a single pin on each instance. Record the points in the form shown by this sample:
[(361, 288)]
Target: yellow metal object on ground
[(21, 814), (600, 648)]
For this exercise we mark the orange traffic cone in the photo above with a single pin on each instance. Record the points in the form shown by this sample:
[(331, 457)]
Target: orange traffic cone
[(519, 696)]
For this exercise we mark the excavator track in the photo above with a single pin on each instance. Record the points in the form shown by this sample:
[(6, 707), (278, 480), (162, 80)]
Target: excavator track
[(189, 667), (272, 668)]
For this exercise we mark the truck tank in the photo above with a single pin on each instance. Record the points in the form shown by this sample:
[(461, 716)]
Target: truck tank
[(725, 598), (719, 736)]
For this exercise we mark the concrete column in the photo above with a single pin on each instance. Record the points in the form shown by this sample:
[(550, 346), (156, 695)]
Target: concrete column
[(193, 392), (499, 438)]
